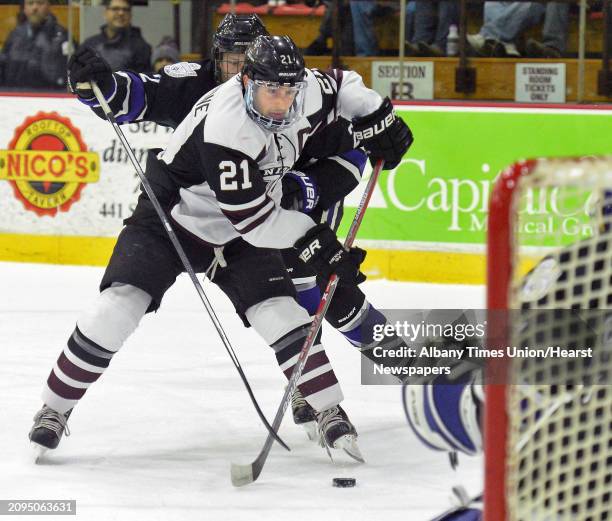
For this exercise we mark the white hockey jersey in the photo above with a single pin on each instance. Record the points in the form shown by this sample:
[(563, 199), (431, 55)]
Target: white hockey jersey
[(229, 167)]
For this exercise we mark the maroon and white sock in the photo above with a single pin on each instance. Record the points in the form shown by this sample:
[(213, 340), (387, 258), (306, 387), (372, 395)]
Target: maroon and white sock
[(284, 324), (79, 365), (318, 383), (100, 333)]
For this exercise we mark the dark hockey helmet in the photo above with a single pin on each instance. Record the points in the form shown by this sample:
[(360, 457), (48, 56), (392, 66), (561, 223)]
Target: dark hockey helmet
[(274, 58), (234, 34), (275, 65)]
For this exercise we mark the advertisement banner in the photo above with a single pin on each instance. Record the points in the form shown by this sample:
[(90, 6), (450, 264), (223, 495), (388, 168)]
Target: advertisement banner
[(63, 171), (438, 195), (64, 174)]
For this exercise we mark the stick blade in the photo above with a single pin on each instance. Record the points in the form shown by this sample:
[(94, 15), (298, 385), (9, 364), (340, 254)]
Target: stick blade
[(243, 474)]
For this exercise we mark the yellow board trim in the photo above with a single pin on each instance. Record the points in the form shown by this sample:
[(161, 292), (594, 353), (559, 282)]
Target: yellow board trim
[(416, 266), (88, 251), (426, 266)]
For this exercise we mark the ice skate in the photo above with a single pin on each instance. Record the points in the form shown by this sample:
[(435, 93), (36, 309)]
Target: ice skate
[(48, 429), (304, 415), (337, 432)]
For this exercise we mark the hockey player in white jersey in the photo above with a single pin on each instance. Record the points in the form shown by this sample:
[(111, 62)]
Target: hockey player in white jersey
[(244, 153), (314, 186), (253, 131)]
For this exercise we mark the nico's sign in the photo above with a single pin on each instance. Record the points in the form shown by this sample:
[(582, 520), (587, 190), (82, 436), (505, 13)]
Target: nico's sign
[(418, 80), (48, 164), (540, 83)]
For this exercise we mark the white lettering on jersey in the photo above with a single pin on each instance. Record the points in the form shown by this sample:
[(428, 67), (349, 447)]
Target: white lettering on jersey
[(185, 129), (229, 172), (325, 84)]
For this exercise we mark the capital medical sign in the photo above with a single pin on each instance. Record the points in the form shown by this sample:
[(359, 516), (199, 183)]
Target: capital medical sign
[(440, 191)]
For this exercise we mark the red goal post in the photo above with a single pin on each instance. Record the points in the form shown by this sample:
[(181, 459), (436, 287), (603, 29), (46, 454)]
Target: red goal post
[(547, 248)]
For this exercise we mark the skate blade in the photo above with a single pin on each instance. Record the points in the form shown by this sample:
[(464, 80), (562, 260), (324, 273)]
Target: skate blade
[(311, 430), (348, 443), (38, 452)]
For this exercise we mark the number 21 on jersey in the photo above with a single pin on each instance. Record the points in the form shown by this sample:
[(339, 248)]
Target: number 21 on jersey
[(230, 177)]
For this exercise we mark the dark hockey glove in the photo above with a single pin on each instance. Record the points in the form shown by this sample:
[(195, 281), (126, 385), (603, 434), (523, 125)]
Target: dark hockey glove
[(300, 192), (322, 251), (86, 65), (383, 135)]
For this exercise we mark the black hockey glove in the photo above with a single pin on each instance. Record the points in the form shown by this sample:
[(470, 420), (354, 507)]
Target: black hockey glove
[(86, 65), (300, 192), (383, 135), (322, 251)]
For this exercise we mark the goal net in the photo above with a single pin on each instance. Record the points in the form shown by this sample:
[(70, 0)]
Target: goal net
[(548, 418)]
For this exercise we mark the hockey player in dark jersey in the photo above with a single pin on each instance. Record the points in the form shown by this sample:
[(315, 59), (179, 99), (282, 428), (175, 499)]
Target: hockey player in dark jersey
[(85, 359), (165, 98)]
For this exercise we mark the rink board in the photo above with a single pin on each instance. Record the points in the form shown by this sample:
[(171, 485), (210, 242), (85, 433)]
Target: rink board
[(66, 185)]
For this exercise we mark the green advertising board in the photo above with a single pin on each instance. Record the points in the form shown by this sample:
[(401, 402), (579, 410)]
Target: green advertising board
[(437, 198)]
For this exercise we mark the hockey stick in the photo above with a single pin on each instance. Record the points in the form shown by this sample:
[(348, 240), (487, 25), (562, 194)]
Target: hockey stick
[(181, 253), (245, 474)]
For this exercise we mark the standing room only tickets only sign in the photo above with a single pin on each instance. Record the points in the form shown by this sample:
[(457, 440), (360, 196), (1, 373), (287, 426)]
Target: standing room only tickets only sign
[(63, 175)]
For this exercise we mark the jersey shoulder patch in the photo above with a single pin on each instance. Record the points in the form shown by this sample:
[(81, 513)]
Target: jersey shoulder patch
[(182, 69)]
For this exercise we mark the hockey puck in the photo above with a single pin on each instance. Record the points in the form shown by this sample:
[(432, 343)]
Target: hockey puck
[(344, 482)]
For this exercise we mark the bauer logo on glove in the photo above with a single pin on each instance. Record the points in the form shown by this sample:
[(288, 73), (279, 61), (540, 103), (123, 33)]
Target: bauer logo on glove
[(300, 192), (322, 251), (383, 135), (309, 251), (375, 129)]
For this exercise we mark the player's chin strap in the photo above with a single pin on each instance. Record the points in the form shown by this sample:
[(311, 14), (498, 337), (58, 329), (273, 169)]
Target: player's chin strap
[(181, 253), (245, 474)]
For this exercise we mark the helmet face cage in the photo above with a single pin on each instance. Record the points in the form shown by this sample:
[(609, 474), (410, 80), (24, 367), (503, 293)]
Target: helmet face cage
[(256, 112), (274, 67), (234, 34), (228, 63)]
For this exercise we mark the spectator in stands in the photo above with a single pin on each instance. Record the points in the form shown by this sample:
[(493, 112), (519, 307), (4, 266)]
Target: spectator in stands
[(505, 21), (35, 53), (119, 43), (410, 8), (364, 37), (319, 46), (166, 53), (431, 28), (554, 33)]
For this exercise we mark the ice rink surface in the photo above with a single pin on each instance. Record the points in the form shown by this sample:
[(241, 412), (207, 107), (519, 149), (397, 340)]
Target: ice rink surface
[(154, 437)]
